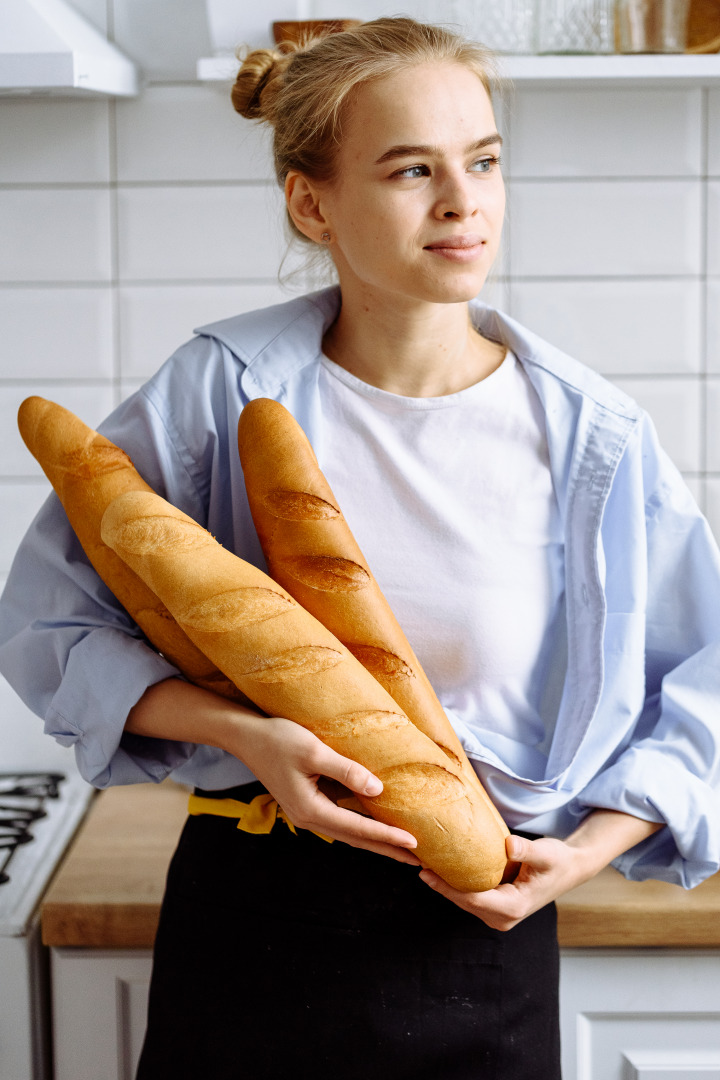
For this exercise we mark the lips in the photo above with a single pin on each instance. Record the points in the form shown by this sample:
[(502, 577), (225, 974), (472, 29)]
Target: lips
[(456, 243), (458, 249)]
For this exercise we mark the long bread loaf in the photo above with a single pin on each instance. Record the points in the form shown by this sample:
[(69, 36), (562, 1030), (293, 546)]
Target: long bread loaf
[(87, 472), (290, 665), (311, 551)]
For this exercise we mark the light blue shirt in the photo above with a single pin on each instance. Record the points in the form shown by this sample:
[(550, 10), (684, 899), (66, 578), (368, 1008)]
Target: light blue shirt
[(638, 727)]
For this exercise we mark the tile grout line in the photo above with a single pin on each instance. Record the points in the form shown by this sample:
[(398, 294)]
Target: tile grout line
[(704, 235), (114, 253)]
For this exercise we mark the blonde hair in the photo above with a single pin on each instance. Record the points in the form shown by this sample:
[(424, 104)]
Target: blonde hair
[(303, 90)]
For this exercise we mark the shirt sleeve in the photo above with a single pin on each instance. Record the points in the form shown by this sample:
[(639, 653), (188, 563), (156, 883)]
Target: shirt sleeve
[(670, 772), (67, 647)]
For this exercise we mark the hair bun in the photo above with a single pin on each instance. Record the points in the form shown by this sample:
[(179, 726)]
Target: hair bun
[(257, 83)]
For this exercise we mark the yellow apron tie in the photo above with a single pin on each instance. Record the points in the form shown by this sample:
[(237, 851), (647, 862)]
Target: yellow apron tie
[(258, 816)]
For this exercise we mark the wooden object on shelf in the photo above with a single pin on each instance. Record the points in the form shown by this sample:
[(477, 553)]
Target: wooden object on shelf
[(298, 31), (703, 30)]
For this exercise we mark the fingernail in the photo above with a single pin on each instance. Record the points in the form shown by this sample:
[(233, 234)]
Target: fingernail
[(428, 878), (373, 786), (514, 849)]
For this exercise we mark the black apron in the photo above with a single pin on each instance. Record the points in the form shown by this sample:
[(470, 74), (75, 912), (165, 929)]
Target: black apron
[(284, 956)]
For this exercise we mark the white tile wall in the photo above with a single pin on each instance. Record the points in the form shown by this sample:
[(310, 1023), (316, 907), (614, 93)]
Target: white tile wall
[(21, 503), (59, 332), (186, 233), (176, 133), (154, 320), (95, 11), (58, 235), (607, 133), (712, 503), (31, 151), (696, 487), (713, 425), (713, 325), (674, 406), (713, 228), (644, 228), (164, 37), (636, 327), (714, 132)]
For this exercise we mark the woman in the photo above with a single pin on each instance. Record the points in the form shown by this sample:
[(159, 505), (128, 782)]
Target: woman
[(543, 557)]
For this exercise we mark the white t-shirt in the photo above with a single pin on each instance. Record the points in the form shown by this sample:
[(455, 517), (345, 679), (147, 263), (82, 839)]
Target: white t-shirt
[(452, 504)]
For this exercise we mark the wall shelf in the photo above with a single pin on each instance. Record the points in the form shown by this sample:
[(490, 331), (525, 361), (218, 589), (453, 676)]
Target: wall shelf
[(563, 71), (590, 71)]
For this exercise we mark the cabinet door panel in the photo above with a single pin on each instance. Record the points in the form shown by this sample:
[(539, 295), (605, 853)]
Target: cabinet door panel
[(99, 1007), (673, 1065), (640, 1014)]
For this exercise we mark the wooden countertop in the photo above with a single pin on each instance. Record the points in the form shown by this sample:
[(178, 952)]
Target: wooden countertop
[(108, 890)]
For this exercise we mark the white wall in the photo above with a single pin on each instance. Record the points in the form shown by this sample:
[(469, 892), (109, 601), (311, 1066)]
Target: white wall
[(125, 224)]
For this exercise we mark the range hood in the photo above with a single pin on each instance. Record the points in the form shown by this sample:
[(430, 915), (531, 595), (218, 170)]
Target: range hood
[(46, 47)]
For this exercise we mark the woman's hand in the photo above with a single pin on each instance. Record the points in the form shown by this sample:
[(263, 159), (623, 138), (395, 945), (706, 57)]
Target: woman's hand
[(291, 762), (549, 867)]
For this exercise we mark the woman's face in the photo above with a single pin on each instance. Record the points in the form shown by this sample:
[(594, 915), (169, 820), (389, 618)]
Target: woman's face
[(417, 206)]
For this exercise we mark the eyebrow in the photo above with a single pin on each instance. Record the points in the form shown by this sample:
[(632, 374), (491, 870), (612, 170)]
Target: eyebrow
[(403, 151)]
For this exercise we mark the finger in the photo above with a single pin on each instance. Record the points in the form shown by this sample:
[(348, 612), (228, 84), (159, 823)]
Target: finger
[(529, 852), (351, 774), (495, 899), (399, 854), (366, 829), (517, 848), (357, 778), (353, 839), (501, 908), (356, 829)]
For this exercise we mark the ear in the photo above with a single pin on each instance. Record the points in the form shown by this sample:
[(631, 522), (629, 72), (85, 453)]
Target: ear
[(303, 202)]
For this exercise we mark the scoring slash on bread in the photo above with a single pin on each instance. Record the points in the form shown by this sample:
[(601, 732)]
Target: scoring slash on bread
[(87, 472), (291, 665), (311, 551)]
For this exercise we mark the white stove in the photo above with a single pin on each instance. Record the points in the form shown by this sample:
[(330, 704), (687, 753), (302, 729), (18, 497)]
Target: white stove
[(39, 814)]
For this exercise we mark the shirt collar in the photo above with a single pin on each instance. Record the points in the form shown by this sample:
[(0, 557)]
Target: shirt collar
[(276, 343), (533, 351)]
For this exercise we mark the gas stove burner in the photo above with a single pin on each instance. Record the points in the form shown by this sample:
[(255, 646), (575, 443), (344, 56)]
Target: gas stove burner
[(10, 837), (30, 785), (22, 799)]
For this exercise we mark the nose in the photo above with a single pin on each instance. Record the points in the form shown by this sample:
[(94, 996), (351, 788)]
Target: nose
[(457, 197)]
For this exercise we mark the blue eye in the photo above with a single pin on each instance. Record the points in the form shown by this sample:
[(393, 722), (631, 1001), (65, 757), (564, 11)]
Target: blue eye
[(485, 165), (414, 172)]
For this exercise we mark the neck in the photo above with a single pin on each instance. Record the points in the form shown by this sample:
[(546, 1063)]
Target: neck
[(422, 350)]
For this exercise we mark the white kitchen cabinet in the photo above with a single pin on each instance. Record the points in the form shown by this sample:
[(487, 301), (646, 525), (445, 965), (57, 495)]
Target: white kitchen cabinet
[(640, 1014), (626, 1014), (99, 1006)]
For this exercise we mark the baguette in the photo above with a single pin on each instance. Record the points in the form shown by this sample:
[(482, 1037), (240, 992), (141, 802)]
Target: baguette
[(312, 553), (290, 665), (87, 472)]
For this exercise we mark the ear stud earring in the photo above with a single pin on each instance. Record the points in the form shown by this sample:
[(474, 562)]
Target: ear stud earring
[(326, 238)]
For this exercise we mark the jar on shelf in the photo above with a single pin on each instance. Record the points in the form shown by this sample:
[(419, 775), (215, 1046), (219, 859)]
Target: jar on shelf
[(509, 27), (652, 26), (576, 26)]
